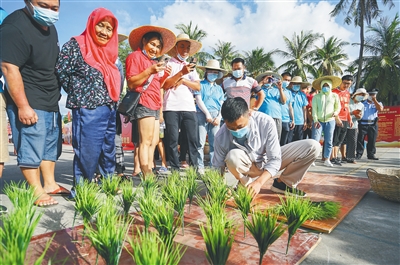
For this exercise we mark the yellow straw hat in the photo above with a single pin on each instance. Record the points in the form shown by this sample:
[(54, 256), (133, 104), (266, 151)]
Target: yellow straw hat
[(136, 35), (268, 73), (195, 46), (336, 81), (122, 37)]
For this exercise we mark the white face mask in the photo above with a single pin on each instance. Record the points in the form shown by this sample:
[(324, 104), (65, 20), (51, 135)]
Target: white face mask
[(44, 16)]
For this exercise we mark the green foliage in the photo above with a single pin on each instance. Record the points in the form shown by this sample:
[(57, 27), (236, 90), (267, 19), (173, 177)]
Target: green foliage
[(150, 249), (210, 208), (109, 235), (217, 189), (324, 210), (128, 196), (297, 210), (176, 192), (110, 184), (225, 52), (243, 201), (87, 201), (259, 61), (263, 226), (191, 183), (164, 221), (148, 200)]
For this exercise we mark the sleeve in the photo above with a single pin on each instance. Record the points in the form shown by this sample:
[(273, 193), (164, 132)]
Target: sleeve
[(255, 88), (202, 106), (65, 65), (120, 67), (194, 76), (13, 46), (131, 64), (305, 100), (273, 160), (220, 151), (314, 109), (337, 105)]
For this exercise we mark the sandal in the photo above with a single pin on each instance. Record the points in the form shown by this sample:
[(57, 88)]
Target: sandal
[(45, 203)]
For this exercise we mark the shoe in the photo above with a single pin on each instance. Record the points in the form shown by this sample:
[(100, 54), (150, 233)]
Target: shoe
[(184, 164), (162, 170), (138, 175), (337, 162), (3, 209), (313, 164), (343, 160), (351, 161), (201, 171), (358, 157), (328, 163), (373, 158), (280, 187)]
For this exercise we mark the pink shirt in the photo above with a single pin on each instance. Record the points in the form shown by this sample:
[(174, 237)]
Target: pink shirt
[(241, 88)]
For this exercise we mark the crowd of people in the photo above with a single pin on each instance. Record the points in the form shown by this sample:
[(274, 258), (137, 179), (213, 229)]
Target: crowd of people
[(255, 126)]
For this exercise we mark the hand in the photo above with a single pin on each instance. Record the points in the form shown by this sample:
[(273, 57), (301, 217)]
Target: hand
[(339, 123), (317, 125), (209, 119), (216, 121), (161, 119), (27, 115), (158, 67), (350, 123), (178, 83), (168, 70), (254, 188), (279, 84), (126, 119), (291, 125), (188, 68), (305, 126)]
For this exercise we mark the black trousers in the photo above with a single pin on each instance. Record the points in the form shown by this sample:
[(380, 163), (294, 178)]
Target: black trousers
[(372, 132), (351, 143), (173, 121), (296, 134)]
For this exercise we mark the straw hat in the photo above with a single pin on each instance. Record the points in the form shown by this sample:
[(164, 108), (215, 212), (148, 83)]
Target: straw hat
[(268, 73), (195, 46), (361, 91), (136, 35), (334, 79), (297, 80), (122, 37), (305, 85), (213, 65)]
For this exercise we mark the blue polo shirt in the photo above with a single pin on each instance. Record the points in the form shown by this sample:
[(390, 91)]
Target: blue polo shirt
[(211, 94), (285, 107), (370, 113), (299, 102), (272, 102)]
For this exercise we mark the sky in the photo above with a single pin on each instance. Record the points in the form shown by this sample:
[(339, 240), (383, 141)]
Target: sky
[(246, 24)]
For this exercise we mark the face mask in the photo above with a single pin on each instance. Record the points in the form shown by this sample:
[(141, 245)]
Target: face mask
[(268, 86), (370, 98), (237, 73), (296, 88), (285, 84), (359, 98), (44, 16), (325, 89), (212, 77), (183, 59), (240, 133), (145, 53)]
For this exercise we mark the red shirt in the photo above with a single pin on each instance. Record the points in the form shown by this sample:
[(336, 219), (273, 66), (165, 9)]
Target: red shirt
[(137, 62), (344, 97)]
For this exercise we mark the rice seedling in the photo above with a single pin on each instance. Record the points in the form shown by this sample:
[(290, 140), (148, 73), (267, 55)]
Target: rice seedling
[(296, 210), (192, 185), (324, 210), (164, 221), (263, 226), (149, 183), (216, 186), (148, 200), (243, 201), (218, 236), (127, 198), (210, 208), (109, 235), (110, 185), (149, 249), (19, 225)]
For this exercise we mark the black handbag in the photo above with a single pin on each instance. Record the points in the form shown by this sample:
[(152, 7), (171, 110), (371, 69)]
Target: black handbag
[(130, 101)]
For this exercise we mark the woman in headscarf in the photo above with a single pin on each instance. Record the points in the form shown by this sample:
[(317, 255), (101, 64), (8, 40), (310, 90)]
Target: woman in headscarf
[(144, 75), (86, 70), (325, 110)]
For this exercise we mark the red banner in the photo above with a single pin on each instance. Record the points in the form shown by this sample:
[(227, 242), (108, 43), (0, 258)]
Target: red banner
[(389, 127), (126, 135)]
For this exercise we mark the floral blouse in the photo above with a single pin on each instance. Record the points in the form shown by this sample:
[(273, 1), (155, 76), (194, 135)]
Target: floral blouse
[(84, 84)]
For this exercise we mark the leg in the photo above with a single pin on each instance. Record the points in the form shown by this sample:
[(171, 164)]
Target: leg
[(351, 144), (189, 120), (212, 131), (285, 133), (172, 122), (372, 135), (146, 134), (202, 137), (241, 167), (107, 155), (362, 131), (278, 123), (161, 151)]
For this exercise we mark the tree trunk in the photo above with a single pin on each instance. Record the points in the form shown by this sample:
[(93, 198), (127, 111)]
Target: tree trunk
[(360, 56)]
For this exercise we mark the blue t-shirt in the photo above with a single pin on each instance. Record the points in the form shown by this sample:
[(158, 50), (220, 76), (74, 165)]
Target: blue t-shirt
[(299, 102), (370, 112), (212, 96), (272, 102), (285, 107)]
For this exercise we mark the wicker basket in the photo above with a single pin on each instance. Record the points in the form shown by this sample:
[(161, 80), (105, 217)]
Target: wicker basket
[(385, 182)]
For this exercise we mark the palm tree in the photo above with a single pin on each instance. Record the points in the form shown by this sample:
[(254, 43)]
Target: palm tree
[(360, 11), (225, 52), (382, 66), (193, 33), (299, 52), (329, 58), (258, 61)]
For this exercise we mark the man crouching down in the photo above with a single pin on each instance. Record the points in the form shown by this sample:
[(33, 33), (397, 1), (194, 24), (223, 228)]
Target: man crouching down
[(248, 145)]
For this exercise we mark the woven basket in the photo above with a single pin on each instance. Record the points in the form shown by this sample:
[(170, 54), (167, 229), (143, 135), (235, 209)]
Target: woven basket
[(385, 182)]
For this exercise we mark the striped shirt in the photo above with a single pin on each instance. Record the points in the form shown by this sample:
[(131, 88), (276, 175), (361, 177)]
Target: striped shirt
[(241, 88)]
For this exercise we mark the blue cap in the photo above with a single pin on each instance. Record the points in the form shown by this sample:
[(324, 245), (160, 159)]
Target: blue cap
[(3, 15)]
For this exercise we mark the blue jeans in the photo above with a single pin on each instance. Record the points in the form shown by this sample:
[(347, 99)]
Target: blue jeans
[(327, 128), (205, 129), (93, 140)]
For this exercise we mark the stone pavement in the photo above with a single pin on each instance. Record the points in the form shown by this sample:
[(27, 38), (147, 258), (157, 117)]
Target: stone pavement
[(370, 234)]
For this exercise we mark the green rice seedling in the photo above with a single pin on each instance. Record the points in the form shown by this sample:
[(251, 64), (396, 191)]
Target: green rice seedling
[(109, 235), (148, 200), (297, 210), (20, 195), (243, 201), (324, 210), (150, 249), (216, 186), (192, 185), (210, 208), (128, 197), (110, 185), (263, 226), (165, 222), (149, 183), (218, 236)]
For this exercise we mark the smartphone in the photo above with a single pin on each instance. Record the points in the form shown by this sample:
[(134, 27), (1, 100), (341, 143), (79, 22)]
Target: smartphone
[(193, 60), (165, 59)]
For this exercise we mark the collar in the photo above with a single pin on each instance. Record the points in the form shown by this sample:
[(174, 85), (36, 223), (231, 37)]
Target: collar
[(243, 77), (174, 59)]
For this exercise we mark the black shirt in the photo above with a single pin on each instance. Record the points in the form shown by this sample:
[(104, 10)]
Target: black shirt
[(25, 44)]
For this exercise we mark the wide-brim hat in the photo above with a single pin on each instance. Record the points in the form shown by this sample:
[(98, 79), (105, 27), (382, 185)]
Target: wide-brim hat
[(334, 79), (268, 73), (361, 91), (212, 64), (136, 35), (195, 46), (122, 37), (304, 85), (297, 80)]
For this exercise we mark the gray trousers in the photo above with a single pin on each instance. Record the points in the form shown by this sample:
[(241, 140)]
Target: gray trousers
[(297, 158)]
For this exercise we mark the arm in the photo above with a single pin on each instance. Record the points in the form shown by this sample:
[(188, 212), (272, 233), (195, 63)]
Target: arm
[(139, 79), (282, 95), (261, 97), (203, 108), (305, 118), (378, 106), (173, 80), (291, 114)]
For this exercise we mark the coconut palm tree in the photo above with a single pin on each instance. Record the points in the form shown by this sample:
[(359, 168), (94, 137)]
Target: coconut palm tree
[(225, 52), (258, 61), (329, 58), (358, 12), (382, 65), (299, 52)]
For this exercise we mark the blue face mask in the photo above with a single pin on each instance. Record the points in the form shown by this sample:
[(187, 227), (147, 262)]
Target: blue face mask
[(237, 73), (44, 16), (285, 84), (360, 98), (212, 77), (240, 133), (296, 88), (145, 53), (267, 86), (325, 89)]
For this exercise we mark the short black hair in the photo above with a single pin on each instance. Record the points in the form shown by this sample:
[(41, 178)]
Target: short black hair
[(237, 60), (233, 109), (152, 34), (286, 73), (347, 78)]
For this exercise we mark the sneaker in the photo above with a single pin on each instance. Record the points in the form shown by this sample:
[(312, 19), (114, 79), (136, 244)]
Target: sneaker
[(280, 187), (373, 158), (162, 170), (351, 161), (201, 171), (313, 164), (328, 163), (337, 162), (343, 160), (358, 157)]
